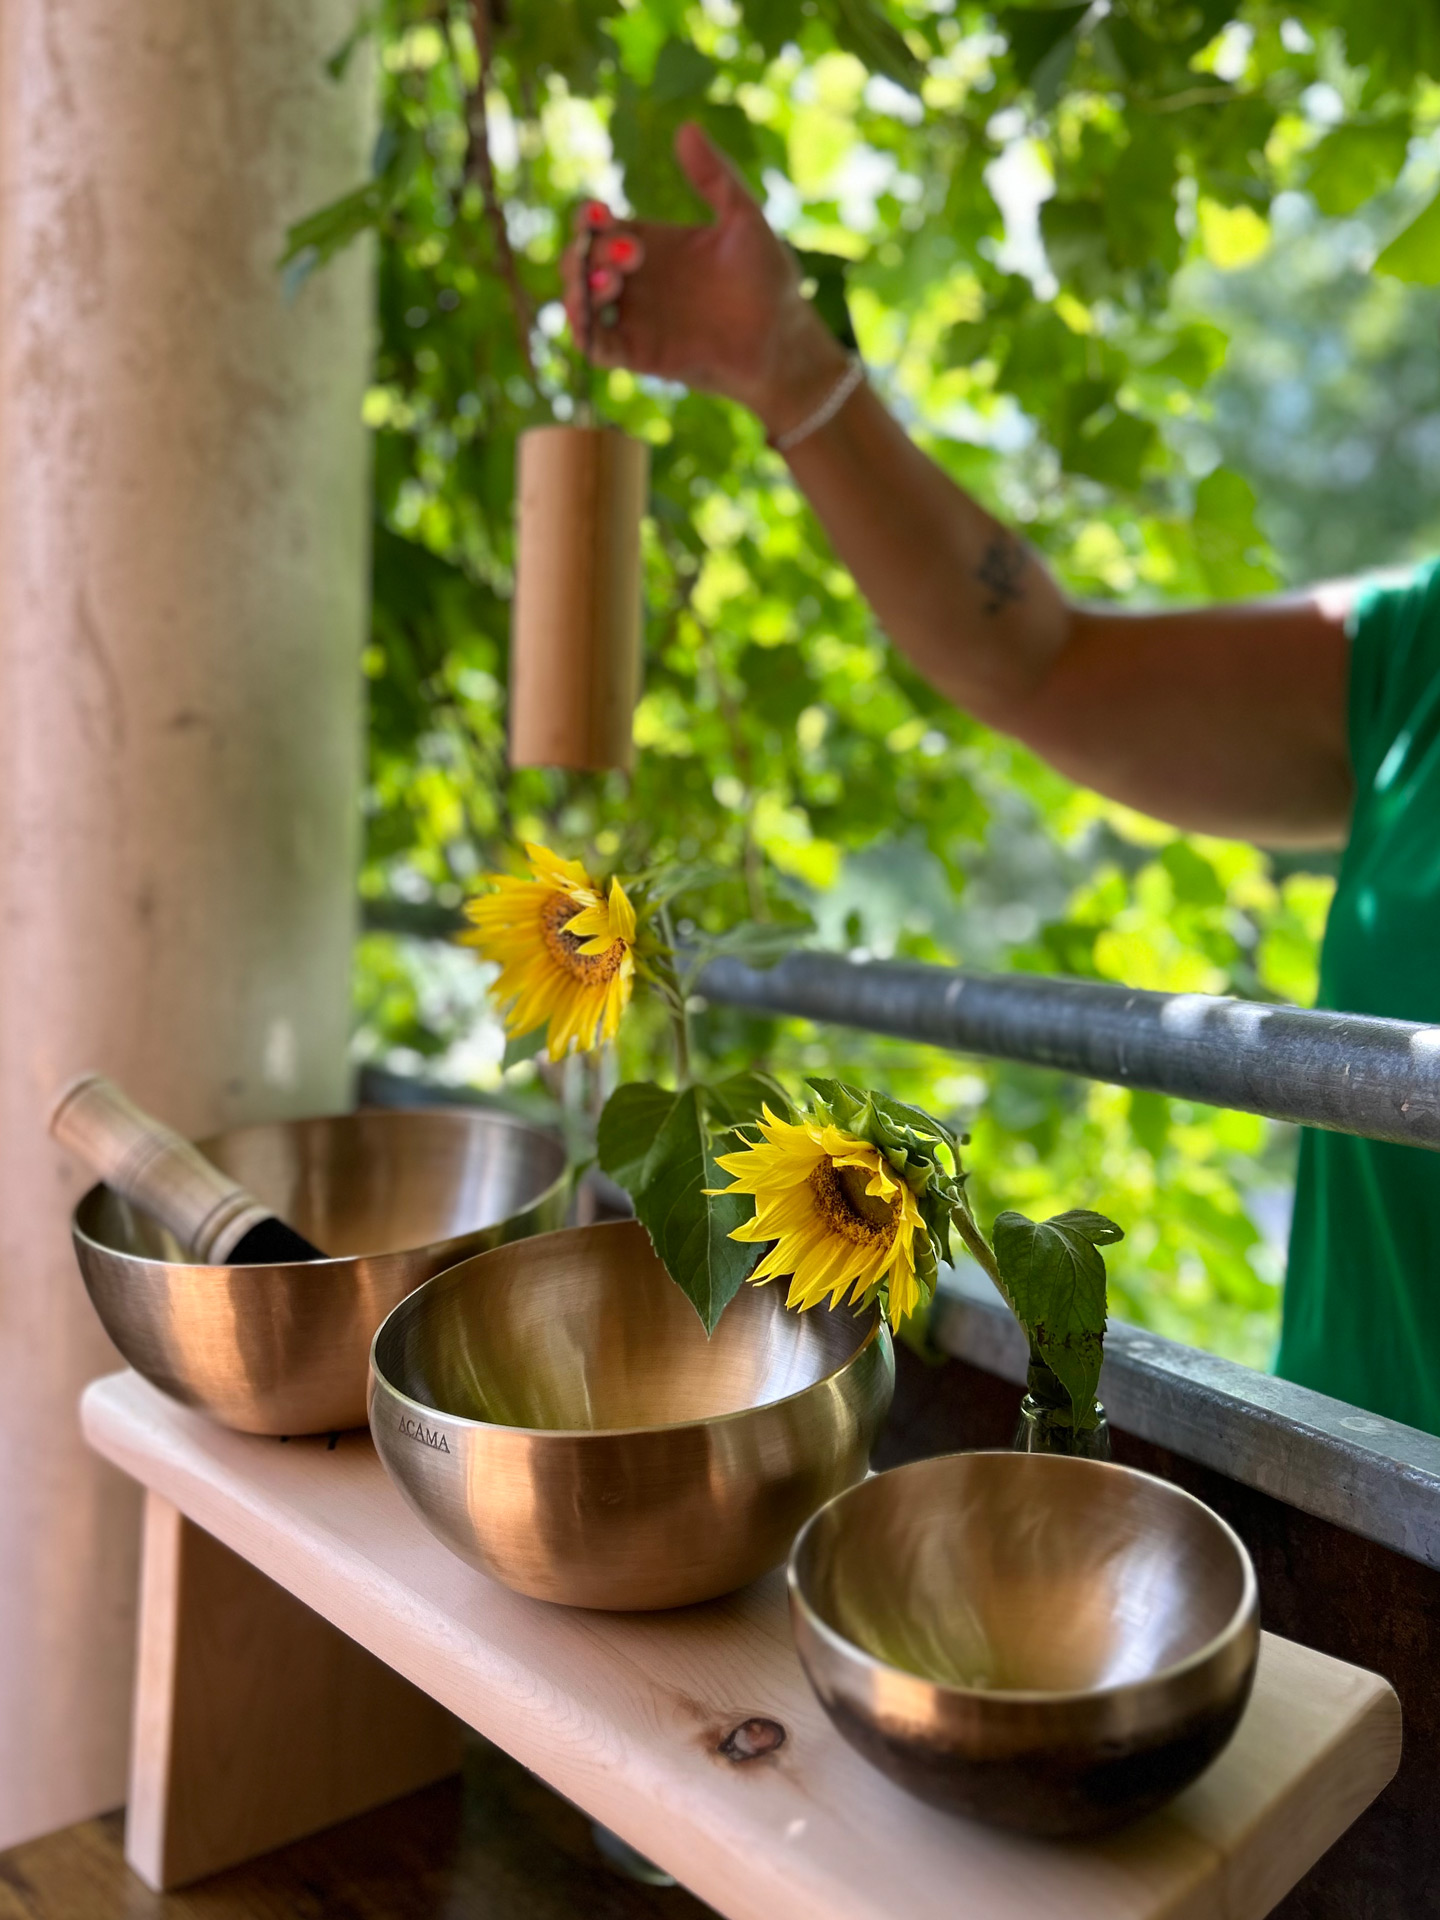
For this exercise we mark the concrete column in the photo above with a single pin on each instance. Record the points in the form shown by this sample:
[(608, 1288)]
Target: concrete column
[(182, 595)]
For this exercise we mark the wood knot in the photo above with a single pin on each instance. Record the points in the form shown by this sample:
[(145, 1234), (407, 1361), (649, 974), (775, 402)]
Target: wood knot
[(752, 1740)]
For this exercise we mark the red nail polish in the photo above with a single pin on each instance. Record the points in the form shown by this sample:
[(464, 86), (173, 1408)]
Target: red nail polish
[(597, 215), (624, 252)]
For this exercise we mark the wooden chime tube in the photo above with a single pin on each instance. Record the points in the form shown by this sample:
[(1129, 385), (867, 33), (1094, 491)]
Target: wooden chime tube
[(576, 619)]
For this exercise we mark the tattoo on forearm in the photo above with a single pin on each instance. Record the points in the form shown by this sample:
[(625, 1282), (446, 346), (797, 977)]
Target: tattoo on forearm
[(1001, 570)]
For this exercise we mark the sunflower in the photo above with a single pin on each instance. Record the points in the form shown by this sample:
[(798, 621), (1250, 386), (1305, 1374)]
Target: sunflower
[(839, 1215), (565, 950)]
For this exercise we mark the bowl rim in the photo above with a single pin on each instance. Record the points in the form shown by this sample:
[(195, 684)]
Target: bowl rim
[(877, 1332), (998, 1698), (459, 1110)]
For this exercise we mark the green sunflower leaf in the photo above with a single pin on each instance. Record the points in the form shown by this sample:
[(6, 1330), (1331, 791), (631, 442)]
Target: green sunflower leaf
[(1055, 1277), (629, 1128), (737, 1102), (659, 1147)]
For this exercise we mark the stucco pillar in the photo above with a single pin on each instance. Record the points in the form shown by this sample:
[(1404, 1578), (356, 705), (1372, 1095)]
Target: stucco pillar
[(182, 595)]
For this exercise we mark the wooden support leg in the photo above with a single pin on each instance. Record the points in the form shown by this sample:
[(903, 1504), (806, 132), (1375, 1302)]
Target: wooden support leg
[(255, 1720)]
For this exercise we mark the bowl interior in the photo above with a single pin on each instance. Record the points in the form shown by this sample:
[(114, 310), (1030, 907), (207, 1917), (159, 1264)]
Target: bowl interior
[(1022, 1572), (584, 1330), (363, 1183)]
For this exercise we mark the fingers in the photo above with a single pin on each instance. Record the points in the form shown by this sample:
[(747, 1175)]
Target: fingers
[(710, 172), (605, 284), (623, 250), (597, 264), (596, 223)]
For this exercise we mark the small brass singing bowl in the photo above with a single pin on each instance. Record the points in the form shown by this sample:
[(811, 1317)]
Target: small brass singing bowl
[(555, 1413), (394, 1197), (1047, 1644)]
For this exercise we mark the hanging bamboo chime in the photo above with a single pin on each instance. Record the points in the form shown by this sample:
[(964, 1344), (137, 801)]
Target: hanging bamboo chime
[(575, 633)]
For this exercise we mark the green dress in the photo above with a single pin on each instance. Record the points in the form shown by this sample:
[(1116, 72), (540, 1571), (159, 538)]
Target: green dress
[(1362, 1296)]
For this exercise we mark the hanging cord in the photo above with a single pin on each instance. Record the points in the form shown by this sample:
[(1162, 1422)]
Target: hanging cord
[(585, 397)]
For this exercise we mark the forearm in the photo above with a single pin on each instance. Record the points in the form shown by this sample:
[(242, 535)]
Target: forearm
[(1229, 719), (958, 592)]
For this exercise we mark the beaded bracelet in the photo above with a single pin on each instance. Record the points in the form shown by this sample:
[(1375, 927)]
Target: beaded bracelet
[(852, 377)]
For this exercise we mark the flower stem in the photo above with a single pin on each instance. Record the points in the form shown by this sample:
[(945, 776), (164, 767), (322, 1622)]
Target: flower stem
[(675, 1000), (979, 1249)]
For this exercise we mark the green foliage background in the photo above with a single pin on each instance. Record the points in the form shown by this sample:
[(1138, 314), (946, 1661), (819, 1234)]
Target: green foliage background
[(1083, 250)]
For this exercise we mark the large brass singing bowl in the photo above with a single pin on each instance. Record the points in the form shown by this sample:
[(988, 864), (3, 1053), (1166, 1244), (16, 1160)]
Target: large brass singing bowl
[(1048, 1644), (555, 1413), (394, 1196)]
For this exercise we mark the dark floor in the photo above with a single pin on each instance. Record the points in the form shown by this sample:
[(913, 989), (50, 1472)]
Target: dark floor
[(499, 1846)]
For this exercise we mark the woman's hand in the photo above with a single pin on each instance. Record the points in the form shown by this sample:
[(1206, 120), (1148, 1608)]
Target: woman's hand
[(716, 307)]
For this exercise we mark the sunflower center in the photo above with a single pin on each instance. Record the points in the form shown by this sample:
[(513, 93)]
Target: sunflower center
[(847, 1209), (595, 969)]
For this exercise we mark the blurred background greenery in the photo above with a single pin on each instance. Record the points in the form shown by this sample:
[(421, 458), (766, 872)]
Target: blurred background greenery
[(1114, 266)]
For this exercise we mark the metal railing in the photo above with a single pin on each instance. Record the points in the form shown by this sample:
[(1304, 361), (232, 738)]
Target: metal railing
[(1347, 1072)]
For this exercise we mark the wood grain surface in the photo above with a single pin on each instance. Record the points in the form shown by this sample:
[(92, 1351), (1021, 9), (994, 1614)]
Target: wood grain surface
[(631, 1716), (255, 1720)]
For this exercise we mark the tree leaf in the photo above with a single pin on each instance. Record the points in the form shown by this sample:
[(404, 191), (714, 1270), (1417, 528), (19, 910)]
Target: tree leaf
[(1037, 37), (757, 942), (524, 1046), (658, 1146), (1354, 163), (829, 272), (861, 28), (1414, 253), (1053, 1272), (681, 72), (1115, 453)]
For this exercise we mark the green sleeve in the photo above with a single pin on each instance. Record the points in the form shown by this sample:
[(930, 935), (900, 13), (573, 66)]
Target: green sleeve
[(1394, 658)]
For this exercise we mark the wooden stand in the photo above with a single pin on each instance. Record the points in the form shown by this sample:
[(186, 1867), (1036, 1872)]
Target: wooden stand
[(692, 1734), (575, 632), (255, 1721)]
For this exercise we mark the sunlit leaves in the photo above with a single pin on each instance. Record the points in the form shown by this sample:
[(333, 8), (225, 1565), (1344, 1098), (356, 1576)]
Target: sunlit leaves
[(1354, 163), (782, 742), (1414, 253), (1232, 236)]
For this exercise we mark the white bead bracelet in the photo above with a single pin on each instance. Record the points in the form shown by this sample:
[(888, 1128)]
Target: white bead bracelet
[(852, 377)]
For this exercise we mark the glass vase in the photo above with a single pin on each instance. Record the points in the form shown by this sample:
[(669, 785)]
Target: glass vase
[(1046, 1429)]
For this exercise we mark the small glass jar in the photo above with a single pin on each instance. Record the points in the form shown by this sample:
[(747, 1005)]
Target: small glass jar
[(1045, 1429), (1047, 1420)]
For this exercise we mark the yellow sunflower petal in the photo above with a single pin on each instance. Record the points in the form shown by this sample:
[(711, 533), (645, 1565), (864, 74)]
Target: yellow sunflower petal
[(622, 913), (550, 869), (563, 949)]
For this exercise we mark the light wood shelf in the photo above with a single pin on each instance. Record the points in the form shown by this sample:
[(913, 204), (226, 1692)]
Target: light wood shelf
[(628, 1714)]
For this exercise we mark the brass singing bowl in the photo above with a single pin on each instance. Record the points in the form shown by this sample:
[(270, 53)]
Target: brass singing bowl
[(393, 1196), (556, 1414), (1049, 1644)]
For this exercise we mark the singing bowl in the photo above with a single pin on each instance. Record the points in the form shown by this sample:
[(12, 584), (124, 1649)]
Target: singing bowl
[(555, 1413), (394, 1197), (1049, 1644)]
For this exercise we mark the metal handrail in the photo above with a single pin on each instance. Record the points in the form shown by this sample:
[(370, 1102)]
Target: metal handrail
[(1347, 1072)]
